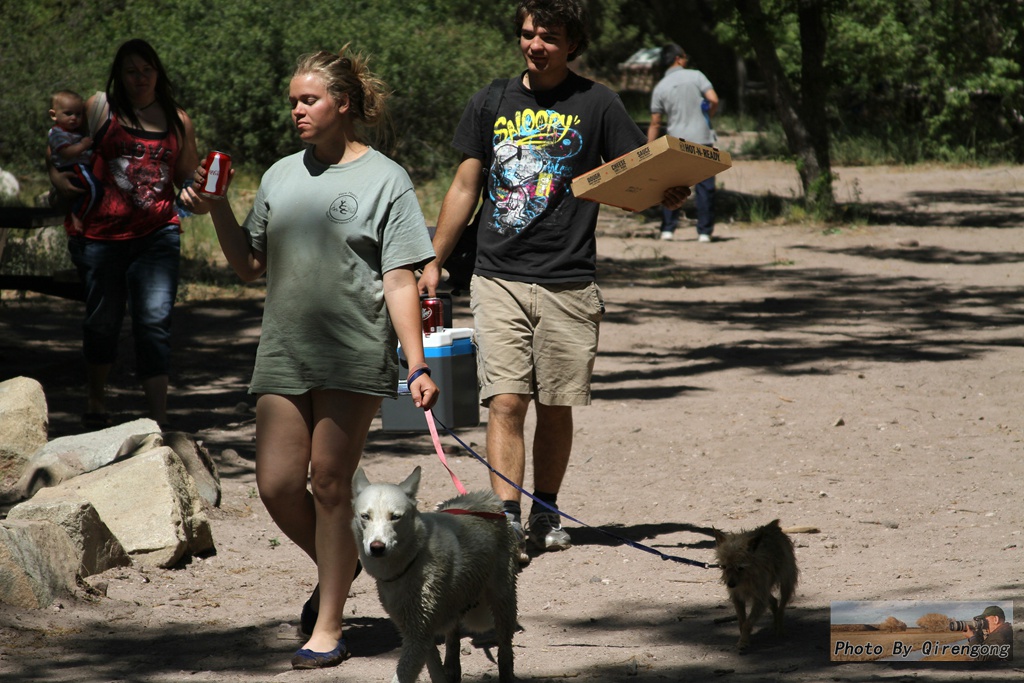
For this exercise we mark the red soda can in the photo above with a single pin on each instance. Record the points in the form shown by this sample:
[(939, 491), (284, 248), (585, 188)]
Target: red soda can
[(432, 312), (217, 165)]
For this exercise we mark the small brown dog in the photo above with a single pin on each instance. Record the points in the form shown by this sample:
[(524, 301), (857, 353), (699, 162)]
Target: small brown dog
[(754, 563)]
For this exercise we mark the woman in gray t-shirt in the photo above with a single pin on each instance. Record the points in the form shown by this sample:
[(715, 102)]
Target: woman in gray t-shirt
[(338, 232)]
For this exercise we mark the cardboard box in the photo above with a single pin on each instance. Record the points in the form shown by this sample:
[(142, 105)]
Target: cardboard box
[(638, 180), (452, 360)]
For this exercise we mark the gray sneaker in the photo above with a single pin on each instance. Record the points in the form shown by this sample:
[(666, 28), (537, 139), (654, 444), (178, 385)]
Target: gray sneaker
[(517, 529), (545, 532)]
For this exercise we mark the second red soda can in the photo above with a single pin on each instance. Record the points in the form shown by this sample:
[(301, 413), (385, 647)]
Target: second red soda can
[(432, 312)]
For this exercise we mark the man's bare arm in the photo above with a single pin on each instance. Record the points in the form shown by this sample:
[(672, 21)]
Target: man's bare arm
[(456, 212)]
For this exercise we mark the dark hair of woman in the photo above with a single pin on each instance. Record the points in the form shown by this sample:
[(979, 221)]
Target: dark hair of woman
[(117, 96)]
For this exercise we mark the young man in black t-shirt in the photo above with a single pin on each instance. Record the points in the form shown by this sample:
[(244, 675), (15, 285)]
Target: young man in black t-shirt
[(535, 302)]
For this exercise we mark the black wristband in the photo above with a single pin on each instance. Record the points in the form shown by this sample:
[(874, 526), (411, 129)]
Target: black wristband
[(416, 373)]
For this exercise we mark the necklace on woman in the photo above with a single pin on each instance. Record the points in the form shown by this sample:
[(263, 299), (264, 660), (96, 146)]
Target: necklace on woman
[(139, 110)]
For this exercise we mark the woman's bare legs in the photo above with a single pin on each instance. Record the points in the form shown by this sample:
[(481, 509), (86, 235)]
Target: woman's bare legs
[(321, 433)]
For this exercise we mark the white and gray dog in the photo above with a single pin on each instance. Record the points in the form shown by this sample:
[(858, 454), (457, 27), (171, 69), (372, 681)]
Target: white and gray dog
[(437, 572)]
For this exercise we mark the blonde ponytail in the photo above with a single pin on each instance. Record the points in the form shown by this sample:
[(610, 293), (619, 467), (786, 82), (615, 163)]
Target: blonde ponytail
[(349, 75)]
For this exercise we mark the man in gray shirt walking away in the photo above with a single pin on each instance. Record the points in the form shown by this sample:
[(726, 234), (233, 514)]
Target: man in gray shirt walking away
[(684, 102)]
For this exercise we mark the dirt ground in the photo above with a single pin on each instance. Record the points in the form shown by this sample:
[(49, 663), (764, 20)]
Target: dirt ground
[(865, 379)]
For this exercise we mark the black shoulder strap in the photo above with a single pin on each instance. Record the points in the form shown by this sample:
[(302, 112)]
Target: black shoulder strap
[(461, 262), (488, 114)]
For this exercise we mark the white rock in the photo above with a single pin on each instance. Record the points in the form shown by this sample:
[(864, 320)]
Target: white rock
[(70, 456), (148, 501)]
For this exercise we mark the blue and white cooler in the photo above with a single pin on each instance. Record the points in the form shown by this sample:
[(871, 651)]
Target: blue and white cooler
[(452, 359)]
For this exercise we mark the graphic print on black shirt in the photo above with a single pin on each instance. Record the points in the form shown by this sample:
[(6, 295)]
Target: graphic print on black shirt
[(533, 155)]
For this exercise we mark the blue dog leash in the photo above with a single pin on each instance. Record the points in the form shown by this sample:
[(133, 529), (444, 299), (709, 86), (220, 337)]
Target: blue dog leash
[(633, 544)]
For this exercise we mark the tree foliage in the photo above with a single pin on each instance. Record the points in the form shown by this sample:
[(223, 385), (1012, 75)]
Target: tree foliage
[(230, 63), (945, 74), (798, 94), (934, 622), (892, 625), (949, 70), (38, 57)]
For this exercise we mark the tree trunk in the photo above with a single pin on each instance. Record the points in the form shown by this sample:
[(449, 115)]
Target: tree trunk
[(814, 91), (803, 118)]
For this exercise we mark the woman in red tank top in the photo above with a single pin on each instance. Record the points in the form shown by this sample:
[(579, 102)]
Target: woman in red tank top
[(127, 249)]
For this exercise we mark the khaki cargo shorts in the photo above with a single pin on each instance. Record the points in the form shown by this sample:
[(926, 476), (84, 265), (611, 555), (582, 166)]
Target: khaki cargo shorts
[(536, 339)]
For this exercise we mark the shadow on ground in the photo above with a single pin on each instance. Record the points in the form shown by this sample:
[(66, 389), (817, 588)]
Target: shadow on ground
[(964, 209), (123, 652), (815, 319)]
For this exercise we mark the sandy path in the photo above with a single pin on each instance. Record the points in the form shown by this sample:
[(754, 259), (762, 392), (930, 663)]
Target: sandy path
[(865, 379)]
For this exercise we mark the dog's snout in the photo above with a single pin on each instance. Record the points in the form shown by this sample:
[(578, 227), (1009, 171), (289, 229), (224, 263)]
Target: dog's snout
[(377, 548)]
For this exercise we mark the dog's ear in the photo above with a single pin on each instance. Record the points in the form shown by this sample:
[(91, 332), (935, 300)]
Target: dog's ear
[(359, 481), (718, 535), (412, 483)]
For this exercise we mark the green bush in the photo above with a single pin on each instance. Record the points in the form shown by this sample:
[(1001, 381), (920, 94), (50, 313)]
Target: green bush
[(231, 62)]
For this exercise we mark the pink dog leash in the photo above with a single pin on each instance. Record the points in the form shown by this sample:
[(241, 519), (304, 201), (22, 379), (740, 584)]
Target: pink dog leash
[(455, 479), (440, 451)]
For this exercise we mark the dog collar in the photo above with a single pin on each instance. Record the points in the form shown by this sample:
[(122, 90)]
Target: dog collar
[(475, 513), (400, 574)]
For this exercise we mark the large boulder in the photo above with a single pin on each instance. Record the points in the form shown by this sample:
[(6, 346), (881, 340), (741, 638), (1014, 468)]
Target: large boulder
[(148, 501), (24, 423), (37, 563), (194, 457), (96, 547), (71, 456)]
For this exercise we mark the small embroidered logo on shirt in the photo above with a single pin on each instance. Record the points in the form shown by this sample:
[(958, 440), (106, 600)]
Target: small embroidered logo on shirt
[(343, 209)]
